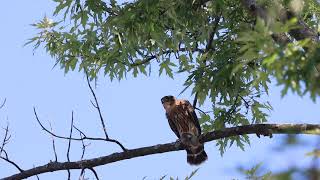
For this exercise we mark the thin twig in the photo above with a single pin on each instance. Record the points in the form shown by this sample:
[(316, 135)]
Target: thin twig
[(69, 144), (63, 137), (82, 173), (3, 103), (70, 136), (84, 146), (247, 105), (245, 102), (97, 107), (200, 110), (118, 143), (5, 139), (93, 104), (13, 163), (152, 57), (95, 173), (53, 145)]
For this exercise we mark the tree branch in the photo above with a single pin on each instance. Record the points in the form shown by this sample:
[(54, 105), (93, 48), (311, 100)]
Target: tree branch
[(5, 139), (84, 137), (13, 163), (96, 105), (147, 59), (53, 145), (3, 103), (69, 145), (168, 147)]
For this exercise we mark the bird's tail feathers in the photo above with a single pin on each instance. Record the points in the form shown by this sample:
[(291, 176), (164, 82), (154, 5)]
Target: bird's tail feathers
[(196, 156)]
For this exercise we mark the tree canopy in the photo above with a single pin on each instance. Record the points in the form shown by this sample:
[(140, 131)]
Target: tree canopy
[(230, 50)]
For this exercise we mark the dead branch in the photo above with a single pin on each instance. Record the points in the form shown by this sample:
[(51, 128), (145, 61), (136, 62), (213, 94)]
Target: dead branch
[(168, 147), (5, 141), (84, 137)]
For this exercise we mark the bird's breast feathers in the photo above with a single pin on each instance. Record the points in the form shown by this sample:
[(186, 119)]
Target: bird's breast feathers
[(179, 114)]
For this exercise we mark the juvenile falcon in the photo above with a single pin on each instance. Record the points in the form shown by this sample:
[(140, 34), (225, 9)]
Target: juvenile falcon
[(184, 123)]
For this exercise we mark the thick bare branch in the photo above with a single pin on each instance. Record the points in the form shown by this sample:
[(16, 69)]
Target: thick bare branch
[(174, 146)]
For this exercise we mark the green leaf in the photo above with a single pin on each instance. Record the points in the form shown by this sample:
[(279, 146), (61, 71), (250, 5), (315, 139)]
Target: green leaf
[(62, 4), (135, 72), (84, 18), (165, 65)]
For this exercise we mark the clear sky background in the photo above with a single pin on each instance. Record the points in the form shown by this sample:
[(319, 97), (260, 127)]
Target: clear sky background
[(131, 108)]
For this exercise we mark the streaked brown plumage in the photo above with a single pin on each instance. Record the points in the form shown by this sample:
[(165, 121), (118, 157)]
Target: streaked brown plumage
[(184, 123)]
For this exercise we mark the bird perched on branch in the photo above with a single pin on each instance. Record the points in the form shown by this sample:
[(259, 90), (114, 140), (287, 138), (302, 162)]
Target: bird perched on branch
[(184, 123)]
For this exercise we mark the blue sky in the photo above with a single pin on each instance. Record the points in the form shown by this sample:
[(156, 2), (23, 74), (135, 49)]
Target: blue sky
[(131, 108)]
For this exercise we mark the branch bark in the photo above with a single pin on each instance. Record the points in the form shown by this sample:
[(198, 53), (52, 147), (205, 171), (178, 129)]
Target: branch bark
[(264, 129)]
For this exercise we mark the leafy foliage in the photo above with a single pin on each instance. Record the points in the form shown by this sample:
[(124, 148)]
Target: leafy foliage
[(228, 55)]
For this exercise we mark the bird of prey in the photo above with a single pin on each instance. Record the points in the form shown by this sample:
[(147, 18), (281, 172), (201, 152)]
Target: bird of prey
[(184, 123)]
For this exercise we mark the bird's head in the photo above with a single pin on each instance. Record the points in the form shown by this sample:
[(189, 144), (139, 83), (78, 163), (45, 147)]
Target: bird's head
[(168, 101)]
